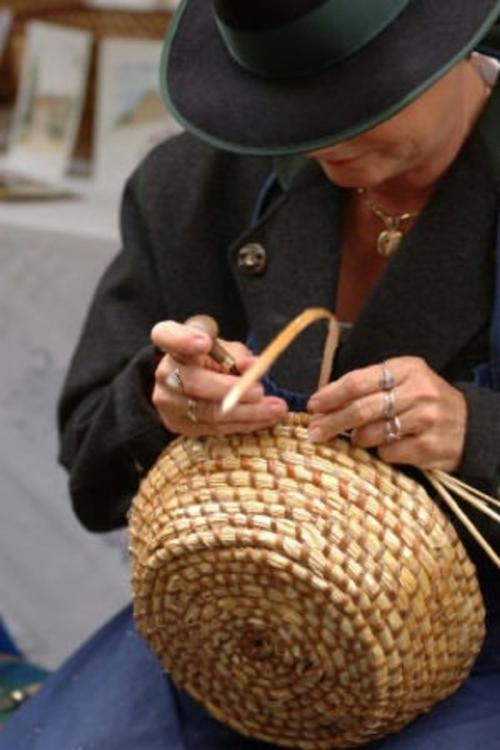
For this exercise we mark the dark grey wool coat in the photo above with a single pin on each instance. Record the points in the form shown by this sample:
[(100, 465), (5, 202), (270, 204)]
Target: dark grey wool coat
[(185, 215)]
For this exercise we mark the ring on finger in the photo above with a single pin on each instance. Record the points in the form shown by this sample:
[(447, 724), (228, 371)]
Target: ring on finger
[(174, 380), (392, 429), (386, 380), (389, 408), (191, 410)]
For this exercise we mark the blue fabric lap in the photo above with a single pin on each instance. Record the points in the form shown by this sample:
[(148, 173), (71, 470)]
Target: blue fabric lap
[(113, 695), (296, 401)]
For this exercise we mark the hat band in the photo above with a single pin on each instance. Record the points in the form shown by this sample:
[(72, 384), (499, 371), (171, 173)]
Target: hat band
[(325, 35)]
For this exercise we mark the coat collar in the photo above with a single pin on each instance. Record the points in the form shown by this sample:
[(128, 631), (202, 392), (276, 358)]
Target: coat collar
[(436, 292)]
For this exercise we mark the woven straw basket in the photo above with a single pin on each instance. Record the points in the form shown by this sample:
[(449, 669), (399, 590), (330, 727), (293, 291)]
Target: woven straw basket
[(308, 595)]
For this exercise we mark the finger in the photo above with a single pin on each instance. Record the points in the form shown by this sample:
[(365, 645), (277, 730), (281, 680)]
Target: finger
[(245, 362), (196, 384), (350, 387), (201, 429), (268, 409), (361, 413), (175, 407), (431, 449), (179, 339), (237, 349), (416, 419), (363, 382), (425, 449), (378, 433), (203, 418), (200, 383), (413, 450)]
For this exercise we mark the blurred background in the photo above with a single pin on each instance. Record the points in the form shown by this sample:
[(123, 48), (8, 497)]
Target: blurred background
[(64, 154)]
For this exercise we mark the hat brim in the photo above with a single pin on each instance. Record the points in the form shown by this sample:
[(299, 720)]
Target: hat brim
[(230, 108)]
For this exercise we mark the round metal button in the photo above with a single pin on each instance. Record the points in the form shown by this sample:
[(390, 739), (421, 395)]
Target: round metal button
[(252, 259)]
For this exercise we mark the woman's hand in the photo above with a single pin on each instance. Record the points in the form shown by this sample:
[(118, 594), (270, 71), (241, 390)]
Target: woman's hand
[(189, 386), (401, 407)]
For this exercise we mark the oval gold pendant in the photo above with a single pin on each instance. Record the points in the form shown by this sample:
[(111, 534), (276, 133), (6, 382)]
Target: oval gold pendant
[(388, 242)]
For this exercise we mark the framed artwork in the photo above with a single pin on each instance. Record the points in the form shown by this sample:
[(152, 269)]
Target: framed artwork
[(49, 102), (130, 116)]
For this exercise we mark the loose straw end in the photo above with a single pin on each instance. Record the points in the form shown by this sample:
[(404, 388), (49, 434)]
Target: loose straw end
[(230, 401)]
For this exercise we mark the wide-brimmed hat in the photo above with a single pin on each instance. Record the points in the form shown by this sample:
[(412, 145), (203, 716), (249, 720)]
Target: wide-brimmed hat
[(291, 76)]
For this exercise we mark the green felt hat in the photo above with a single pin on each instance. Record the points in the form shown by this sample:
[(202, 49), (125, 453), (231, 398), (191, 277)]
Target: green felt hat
[(290, 76)]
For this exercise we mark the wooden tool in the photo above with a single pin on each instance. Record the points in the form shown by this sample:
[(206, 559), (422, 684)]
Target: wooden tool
[(209, 326)]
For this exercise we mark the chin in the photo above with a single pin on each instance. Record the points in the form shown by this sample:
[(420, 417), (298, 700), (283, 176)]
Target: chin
[(352, 174), (345, 175)]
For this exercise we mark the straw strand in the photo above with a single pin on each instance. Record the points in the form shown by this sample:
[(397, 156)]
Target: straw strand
[(439, 486)]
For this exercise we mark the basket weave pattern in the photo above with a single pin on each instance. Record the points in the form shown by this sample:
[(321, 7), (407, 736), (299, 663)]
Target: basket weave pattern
[(307, 595)]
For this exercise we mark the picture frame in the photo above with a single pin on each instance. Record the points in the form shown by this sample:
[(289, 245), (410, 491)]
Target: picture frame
[(130, 116)]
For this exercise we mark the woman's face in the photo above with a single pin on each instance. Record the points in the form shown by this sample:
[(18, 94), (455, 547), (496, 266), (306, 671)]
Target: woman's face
[(408, 144)]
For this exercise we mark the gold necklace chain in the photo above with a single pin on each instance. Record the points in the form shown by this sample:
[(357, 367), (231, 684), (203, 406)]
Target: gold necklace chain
[(390, 237)]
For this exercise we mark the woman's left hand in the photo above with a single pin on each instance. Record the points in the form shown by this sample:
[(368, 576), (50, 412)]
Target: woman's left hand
[(400, 407)]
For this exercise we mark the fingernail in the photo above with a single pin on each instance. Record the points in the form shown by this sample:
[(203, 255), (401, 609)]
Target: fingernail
[(315, 435), (313, 405), (199, 344)]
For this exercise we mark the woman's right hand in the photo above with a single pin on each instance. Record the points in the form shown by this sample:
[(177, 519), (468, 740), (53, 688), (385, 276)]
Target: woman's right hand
[(189, 386)]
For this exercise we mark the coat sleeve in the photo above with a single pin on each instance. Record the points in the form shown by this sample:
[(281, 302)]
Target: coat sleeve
[(109, 432), (180, 211), (481, 457), (480, 466)]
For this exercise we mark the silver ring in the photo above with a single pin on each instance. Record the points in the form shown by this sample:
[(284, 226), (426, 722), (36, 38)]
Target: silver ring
[(191, 410), (389, 403), (174, 381), (386, 380), (393, 429)]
